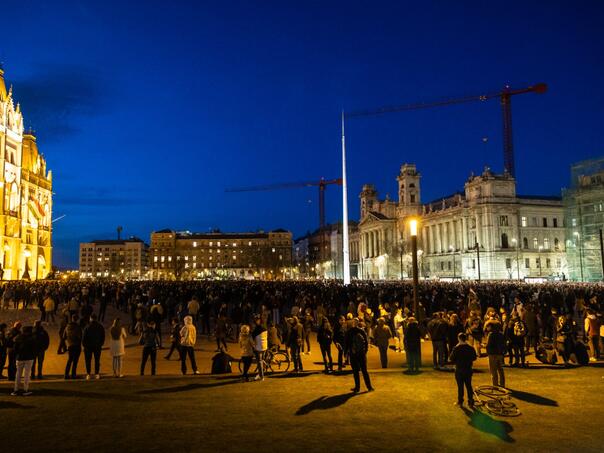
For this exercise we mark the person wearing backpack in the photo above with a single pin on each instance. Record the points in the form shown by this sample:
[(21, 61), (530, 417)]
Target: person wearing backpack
[(517, 332), (150, 342), (357, 345), (324, 338)]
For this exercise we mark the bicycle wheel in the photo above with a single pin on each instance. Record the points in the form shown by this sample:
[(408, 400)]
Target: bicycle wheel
[(279, 362)]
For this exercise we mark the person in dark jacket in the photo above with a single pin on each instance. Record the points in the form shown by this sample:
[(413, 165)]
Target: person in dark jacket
[(42, 343), (2, 349), (437, 328), (339, 335), (413, 344), (495, 351), (357, 345), (294, 342), (25, 351), (463, 355), (93, 340), (73, 340), (174, 339), (150, 343), (324, 338), (10, 350)]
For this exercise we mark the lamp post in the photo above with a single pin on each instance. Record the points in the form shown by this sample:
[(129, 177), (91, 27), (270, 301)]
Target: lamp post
[(453, 253), (578, 236), (413, 231), (540, 265), (477, 246), (515, 242)]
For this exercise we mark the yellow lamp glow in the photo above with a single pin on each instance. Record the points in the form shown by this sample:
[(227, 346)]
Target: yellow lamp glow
[(413, 227)]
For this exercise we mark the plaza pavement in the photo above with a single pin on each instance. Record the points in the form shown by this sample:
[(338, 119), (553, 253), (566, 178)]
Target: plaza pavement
[(561, 410)]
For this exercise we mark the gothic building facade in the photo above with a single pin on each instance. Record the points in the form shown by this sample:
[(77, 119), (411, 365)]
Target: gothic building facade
[(26, 204)]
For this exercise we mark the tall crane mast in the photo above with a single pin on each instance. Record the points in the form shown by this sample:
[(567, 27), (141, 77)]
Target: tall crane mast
[(321, 184), (505, 97)]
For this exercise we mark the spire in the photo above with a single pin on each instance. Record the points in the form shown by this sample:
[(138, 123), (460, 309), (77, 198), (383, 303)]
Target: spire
[(2, 85)]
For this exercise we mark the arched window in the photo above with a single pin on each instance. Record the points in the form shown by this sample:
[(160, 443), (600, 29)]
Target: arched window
[(535, 243), (556, 244), (504, 241), (546, 243), (525, 243)]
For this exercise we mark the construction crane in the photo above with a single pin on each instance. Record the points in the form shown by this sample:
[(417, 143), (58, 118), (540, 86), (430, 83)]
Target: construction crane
[(505, 97), (321, 184)]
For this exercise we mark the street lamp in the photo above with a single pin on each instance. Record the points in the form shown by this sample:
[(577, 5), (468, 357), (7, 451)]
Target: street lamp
[(515, 242), (540, 248), (576, 233), (413, 232)]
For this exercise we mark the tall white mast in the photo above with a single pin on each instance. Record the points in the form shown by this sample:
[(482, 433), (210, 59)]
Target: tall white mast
[(345, 252)]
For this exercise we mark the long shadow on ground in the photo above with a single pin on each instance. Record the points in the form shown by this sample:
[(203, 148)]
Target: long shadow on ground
[(325, 402), (533, 398), (72, 393), (487, 424), (189, 387)]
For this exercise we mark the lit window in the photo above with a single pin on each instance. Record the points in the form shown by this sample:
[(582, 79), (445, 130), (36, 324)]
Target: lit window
[(234, 244), (234, 257), (211, 243), (194, 244), (155, 259), (524, 222), (535, 243), (187, 258), (218, 244), (546, 243), (163, 258), (273, 250), (169, 258), (249, 243), (210, 258)]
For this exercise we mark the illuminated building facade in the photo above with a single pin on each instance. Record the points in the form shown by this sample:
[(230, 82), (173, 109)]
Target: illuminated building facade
[(189, 256), (26, 204), (123, 259), (517, 236)]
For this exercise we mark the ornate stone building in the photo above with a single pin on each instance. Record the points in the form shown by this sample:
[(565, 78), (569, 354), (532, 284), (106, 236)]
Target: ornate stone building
[(26, 204), (188, 256), (486, 229)]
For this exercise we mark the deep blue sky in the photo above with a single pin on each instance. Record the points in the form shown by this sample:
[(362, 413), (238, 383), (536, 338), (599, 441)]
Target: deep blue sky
[(147, 112)]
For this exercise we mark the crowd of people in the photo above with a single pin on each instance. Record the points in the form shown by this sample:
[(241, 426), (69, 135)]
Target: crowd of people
[(497, 318)]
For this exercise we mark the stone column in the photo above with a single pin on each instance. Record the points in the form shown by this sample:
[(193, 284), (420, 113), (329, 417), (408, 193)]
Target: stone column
[(464, 233), (446, 237)]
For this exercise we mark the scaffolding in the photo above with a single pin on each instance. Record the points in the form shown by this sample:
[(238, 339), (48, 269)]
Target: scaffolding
[(584, 214)]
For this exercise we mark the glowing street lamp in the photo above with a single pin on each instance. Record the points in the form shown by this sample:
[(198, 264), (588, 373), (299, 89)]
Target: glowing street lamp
[(578, 236), (413, 232)]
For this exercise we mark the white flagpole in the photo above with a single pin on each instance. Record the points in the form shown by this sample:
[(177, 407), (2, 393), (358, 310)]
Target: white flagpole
[(345, 252)]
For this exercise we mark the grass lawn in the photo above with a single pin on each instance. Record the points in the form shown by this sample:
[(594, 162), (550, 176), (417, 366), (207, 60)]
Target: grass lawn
[(561, 411)]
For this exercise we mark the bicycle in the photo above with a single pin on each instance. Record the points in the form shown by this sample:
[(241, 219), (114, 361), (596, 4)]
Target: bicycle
[(496, 400), (274, 361)]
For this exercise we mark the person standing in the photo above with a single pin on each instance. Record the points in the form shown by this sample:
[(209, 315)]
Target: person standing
[(150, 343), (496, 351), (324, 338), (193, 308), (188, 337), (73, 341), (260, 337), (463, 355), (381, 338), (339, 336), (49, 308), (247, 350), (592, 330), (2, 349), (117, 346), (413, 345), (10, 350), (358, 345), (294, 342), (174, 339), (517, 333), (93, 340), (25, 351), (42, 343)]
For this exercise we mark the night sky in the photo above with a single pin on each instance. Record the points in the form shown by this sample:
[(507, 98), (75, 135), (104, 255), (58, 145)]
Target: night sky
[(147, 113)]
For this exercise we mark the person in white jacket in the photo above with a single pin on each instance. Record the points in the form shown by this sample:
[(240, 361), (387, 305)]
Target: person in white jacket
[(260, 337), (188, 337)]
